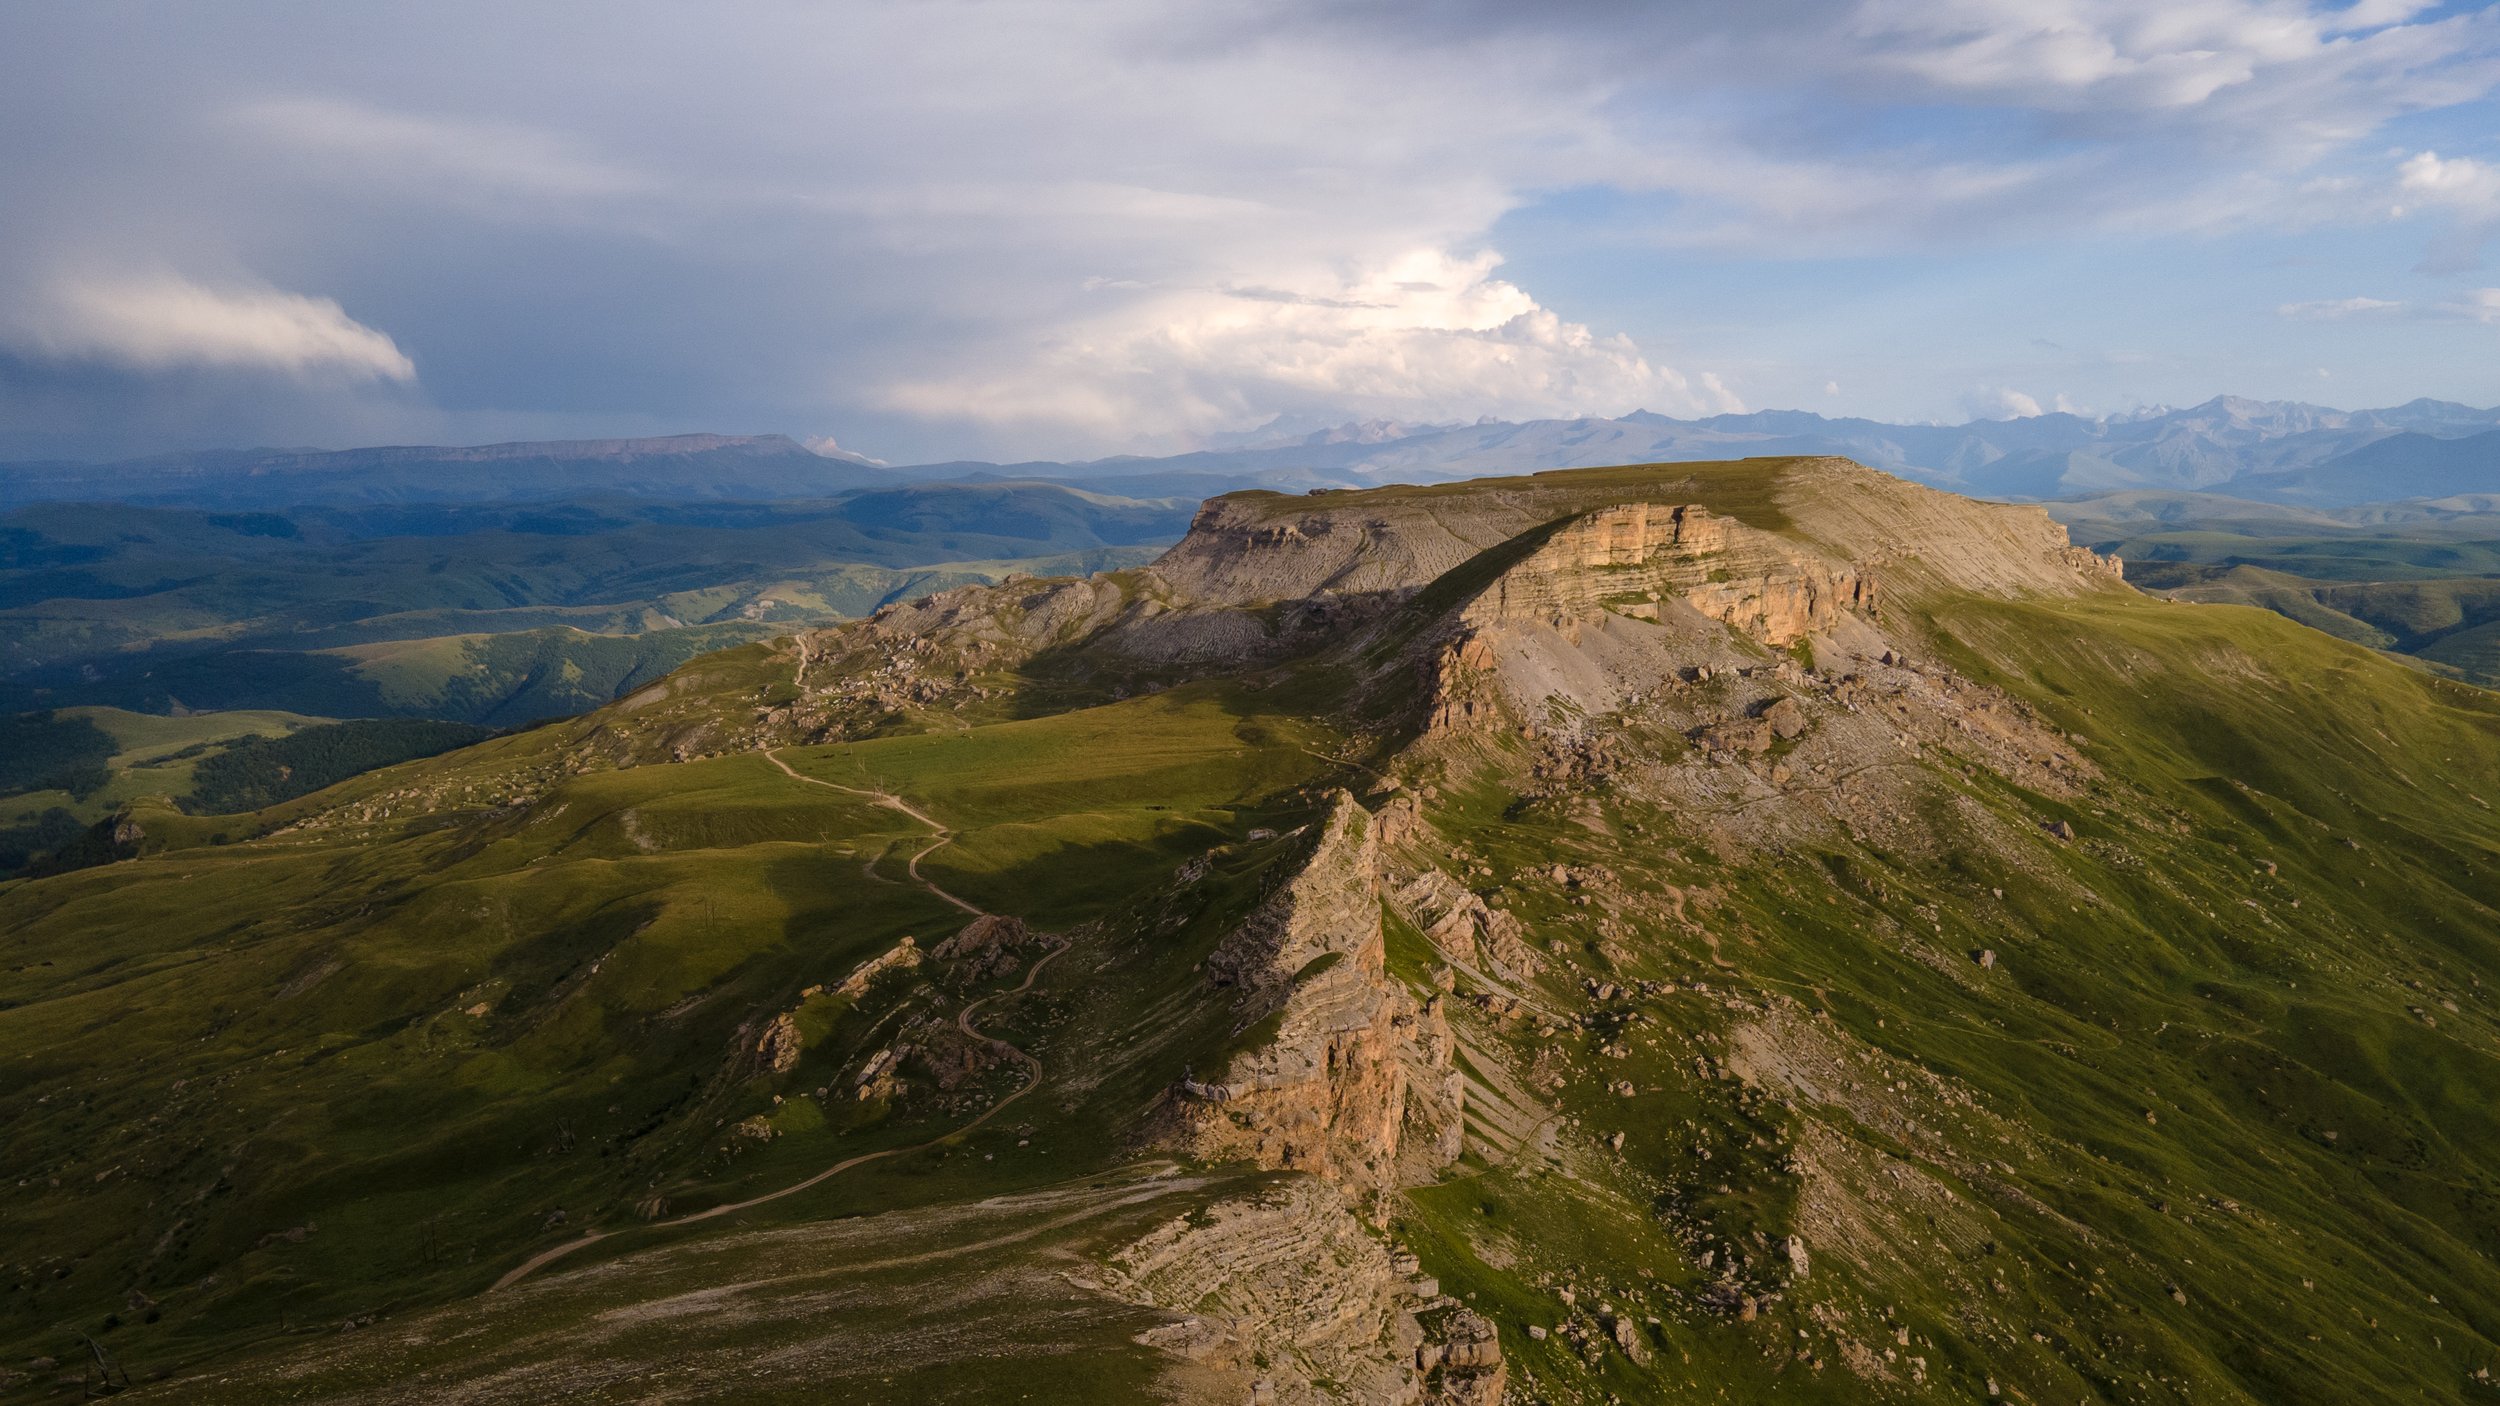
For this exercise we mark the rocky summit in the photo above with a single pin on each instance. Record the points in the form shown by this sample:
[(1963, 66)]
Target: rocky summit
[(1707, 932)]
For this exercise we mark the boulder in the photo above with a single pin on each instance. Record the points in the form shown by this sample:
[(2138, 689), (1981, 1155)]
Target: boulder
[(1787, 718)]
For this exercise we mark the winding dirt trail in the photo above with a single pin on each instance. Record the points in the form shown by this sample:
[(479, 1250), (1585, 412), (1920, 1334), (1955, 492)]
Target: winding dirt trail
[(963, 1022), (939, 835)]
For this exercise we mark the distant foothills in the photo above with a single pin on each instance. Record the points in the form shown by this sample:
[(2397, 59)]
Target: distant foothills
[(2270, 451), (170, 621)]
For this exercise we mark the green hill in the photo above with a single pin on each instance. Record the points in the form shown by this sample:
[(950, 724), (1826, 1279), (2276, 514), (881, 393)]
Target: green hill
[(1750, 932), (491, 613), (2419, 579)]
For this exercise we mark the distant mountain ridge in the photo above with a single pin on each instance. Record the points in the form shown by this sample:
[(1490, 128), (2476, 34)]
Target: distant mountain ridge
[(693, 466), (2273, 451), (2267, 450)]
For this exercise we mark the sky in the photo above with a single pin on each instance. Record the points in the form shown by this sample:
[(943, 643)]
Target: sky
[(951, 228)]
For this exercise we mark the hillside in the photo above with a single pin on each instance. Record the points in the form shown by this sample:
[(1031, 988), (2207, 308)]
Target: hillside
[(63, 771), (1737, 931), (2421, 578), (2402, 466), (485, 613), (677, 467)]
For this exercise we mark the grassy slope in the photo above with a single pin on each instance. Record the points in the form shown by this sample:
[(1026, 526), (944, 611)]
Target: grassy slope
[(2276, 924), (133, 606), (146, 765), (2315, 1179), (2414, 579), (418, 1038)]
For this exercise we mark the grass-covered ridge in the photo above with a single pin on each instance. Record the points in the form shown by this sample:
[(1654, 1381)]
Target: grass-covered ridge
[(2099, 989), (322, 1073), (2419, 579), (1744, 489)]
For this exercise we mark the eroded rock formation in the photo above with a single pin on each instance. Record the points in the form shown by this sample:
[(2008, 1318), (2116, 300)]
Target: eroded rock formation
[(1289, 1290), (1355, 1082), (1631, 556)]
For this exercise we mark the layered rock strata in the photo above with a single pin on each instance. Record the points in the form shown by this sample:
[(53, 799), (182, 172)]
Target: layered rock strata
[(1355, 1083)]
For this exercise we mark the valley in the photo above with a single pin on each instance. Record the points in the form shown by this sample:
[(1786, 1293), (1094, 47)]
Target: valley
[(2419, 579)]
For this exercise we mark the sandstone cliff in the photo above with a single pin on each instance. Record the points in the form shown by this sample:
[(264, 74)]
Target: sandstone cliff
[(1775, 550), (1260, 571), (1341, 1072)]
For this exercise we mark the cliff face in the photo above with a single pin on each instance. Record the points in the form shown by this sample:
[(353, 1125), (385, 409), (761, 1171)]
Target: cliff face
[(1355, 1084), (1253, 548), (1631, 557), (1777, 550)]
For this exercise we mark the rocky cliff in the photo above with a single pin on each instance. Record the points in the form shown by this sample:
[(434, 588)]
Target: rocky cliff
[(1631, 557), (1339, 1071), (1778, 549)]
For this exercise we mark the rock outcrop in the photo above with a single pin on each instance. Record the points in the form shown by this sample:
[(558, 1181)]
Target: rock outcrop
[(902, 956), (1630, 557), (988, 947), (1355, 1083), (1294, 1294)]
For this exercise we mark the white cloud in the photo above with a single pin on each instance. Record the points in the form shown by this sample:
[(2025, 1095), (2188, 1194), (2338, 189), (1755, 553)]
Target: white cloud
[(1425, 335), (2350, 64), (162, 322), (831, 448), (2336, 309), (2459, 182), (2000, 403), (2479, 305)]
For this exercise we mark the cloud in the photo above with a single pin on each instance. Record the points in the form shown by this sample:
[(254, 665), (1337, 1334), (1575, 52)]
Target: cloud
[(2336, 309), (2001, 403), (830, 448), (1426, 335), (2231, 62), (1107, 224), (2473, 305), (163, 322), (374, 142), (2458, 183)]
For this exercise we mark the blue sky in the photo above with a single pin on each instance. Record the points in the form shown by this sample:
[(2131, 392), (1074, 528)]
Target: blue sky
[(1056, 229)]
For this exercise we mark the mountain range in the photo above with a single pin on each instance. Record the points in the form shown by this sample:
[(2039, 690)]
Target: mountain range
[(2267, 450), (2275, 451), (680, 467), (1742, 931)]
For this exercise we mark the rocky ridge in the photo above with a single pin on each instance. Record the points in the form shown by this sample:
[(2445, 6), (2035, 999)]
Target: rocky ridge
[(1354, 1084)]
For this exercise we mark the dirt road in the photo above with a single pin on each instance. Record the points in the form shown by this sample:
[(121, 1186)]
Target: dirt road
[(963, 1021)]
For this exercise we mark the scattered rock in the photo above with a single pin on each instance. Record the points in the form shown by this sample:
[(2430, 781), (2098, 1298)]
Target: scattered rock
[(1627, 1336), (780, 1044), (1787, 719), (902, 956)]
